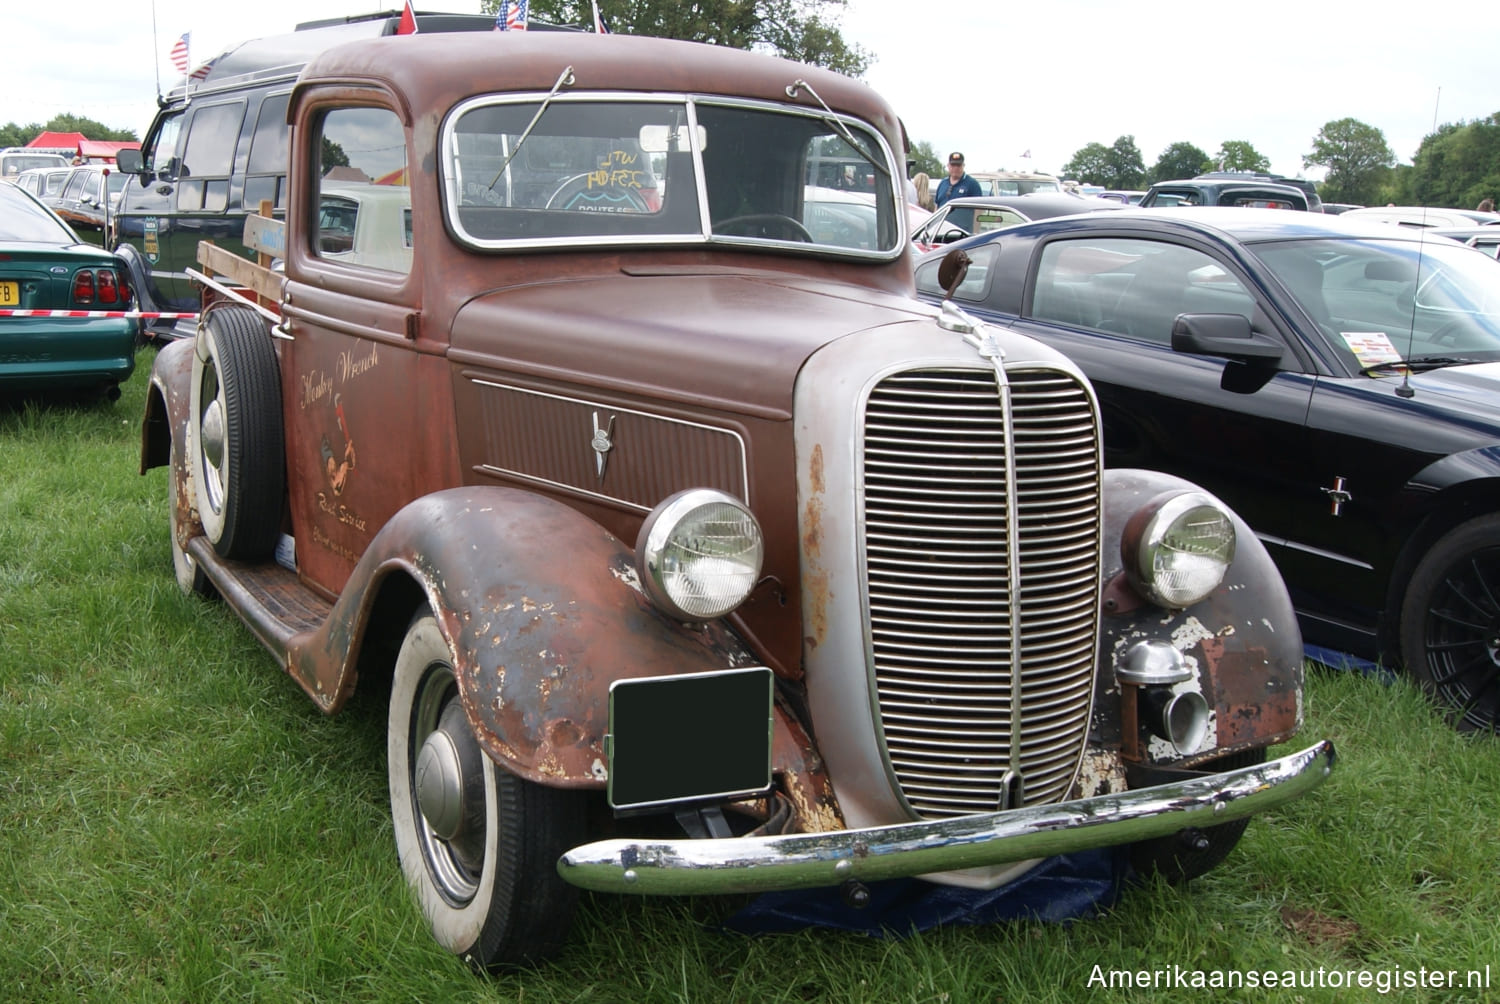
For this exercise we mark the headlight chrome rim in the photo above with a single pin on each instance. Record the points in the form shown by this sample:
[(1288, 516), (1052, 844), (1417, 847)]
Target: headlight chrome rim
[(691, 570), (1178, 549)]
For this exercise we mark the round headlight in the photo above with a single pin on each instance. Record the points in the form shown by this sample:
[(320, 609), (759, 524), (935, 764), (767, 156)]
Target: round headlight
[(699, 554), (1179, 552)]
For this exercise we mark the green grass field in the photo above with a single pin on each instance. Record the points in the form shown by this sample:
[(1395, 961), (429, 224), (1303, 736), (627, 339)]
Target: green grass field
[(178, 823)]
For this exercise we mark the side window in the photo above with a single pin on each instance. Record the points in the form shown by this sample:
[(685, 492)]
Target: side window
[(364, 202), (160, 154), (1132, 287), (265, 176), (74, 188), (208, 157)]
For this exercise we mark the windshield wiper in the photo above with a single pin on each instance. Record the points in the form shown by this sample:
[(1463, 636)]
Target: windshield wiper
[(837, 124), (564, 79), (1420, 364)]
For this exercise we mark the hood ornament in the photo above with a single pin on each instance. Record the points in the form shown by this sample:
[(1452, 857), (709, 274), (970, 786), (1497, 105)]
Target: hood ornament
[(952, 317)]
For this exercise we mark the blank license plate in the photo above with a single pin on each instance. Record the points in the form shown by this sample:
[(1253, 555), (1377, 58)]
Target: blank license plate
[(693, 738)]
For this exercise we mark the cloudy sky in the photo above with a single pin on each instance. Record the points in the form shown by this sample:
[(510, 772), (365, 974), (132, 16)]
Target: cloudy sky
[(994, 80)]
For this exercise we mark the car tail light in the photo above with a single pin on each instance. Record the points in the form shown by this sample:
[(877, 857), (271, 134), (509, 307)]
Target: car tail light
[(83, 287), (109, 286), (101, 286)]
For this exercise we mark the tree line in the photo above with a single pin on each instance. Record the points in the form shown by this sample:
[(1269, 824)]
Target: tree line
[(12, 134), (1456, 166)]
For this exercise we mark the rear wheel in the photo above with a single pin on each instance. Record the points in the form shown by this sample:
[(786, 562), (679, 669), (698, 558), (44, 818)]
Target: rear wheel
[(239, 474), (478, 845), (1450, 623)]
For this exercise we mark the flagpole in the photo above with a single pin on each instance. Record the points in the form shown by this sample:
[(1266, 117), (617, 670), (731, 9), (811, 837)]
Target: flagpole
[(156, 51)]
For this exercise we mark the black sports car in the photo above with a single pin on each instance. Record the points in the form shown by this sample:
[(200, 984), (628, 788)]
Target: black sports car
[(1337, 383)]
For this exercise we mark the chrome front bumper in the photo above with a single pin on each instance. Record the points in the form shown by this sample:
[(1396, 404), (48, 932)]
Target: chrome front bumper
[(806, 860)]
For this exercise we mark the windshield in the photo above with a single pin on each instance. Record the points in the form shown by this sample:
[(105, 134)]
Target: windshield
[(1381, 301), (589, 170)]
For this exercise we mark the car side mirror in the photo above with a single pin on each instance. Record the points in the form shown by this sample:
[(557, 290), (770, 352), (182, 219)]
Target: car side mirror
[(130, 161), (1228, 336)]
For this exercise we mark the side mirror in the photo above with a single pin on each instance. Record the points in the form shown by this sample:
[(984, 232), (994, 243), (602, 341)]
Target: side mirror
[(952, 271), (130, 161), (1228, 336)]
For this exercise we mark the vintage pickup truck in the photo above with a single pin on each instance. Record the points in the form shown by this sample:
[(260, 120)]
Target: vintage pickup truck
[(697, 554)]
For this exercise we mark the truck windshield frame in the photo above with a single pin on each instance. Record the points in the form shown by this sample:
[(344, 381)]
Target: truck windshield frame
[(608, 169)]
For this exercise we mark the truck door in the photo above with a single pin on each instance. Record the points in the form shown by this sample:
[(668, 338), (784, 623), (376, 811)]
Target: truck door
[(351, 391)]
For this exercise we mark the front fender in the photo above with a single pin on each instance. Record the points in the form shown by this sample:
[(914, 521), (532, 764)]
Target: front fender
[(1242, 641), (542, 611)]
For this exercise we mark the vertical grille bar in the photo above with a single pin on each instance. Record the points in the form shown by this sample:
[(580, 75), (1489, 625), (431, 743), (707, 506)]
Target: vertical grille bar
[(938, 542)]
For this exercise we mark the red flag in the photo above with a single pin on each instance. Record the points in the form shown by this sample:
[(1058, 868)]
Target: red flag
[(408, 25)]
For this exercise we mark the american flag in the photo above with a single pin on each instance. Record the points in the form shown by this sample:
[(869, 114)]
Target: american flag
[(202, 72), (512, 16), (599, 26), (180, 53)]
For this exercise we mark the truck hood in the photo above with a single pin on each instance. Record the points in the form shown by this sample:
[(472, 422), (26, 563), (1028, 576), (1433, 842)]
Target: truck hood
[(729, 340)]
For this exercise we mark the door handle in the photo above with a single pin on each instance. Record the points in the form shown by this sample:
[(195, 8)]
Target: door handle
[(163, 189)]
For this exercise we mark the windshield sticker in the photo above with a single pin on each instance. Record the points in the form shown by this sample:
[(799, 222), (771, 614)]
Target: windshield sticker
[(1371, 348)]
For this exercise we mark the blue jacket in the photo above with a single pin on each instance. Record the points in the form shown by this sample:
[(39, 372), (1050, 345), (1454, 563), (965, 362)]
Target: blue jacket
[(948, 190)]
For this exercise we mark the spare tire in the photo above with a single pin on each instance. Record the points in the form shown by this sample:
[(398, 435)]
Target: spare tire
[(235, 434)]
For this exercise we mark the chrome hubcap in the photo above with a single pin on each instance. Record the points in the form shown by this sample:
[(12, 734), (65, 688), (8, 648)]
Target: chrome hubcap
[(448, 789), (213, 433), (439, 784)]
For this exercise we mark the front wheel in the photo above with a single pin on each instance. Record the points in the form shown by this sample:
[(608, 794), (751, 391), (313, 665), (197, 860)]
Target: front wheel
[(1450, 623), (478, 845), (1184, 856)]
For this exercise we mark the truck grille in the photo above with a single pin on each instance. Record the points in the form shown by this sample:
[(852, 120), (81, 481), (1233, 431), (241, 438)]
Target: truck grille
[(984, 694)]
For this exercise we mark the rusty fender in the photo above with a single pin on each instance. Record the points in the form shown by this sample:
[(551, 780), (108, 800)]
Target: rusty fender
[(1243, 639), (164, 428), (542, 611)]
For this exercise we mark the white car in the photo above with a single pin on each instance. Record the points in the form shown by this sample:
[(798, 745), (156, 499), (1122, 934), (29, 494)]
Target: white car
[(1423, 216), (366, 224), (15, 159)]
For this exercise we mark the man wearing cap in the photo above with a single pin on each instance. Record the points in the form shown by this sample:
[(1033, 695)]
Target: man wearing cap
[(957, 184)]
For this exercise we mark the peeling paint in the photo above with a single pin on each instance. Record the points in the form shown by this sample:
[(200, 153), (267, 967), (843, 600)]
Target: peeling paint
[(600, 772), (819, 817), (1101, 772), (1190, 632), (629, 576)]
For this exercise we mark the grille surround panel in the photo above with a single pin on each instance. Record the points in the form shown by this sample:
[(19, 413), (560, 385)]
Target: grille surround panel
[(966, 479)]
